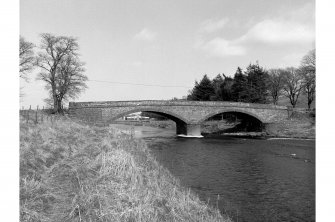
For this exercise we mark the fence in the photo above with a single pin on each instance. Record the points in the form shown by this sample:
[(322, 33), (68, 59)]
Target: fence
[(37, 115)]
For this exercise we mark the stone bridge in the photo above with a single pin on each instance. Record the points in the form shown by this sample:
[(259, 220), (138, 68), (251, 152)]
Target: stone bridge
[(188, 115)]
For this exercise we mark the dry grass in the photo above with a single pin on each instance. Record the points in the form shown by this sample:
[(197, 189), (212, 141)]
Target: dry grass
[(298, 126), (71, 172)]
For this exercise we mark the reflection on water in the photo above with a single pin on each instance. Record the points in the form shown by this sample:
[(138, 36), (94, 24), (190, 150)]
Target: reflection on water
[(251, 180)]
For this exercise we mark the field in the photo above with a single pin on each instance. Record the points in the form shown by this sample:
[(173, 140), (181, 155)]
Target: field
[(73, 172)]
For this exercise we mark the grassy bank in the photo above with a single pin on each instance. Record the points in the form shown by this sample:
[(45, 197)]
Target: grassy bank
[(299, 125), (71, 172)]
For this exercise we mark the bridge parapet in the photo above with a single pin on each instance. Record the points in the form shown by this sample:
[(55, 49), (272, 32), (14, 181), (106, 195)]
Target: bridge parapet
[(173, 103)]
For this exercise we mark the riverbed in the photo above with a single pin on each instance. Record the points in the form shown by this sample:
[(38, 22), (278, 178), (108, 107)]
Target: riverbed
[(250, 179)]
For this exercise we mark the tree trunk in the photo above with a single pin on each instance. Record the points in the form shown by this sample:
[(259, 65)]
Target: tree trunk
[(293, 101), (55, 104), (310, 98), (59, 106), (309, 103), (275, 100)]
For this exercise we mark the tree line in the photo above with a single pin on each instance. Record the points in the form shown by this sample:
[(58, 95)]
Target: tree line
[(59, 65), (63, 72), (258, 85)]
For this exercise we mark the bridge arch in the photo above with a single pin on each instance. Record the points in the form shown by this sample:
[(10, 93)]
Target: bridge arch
[(182, 126), (170, 115), (232, 111)]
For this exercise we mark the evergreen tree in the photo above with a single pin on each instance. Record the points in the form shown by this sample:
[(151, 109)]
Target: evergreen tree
[(226, 89), (202, 91), (257, 79), (239, 91), (217, 83)]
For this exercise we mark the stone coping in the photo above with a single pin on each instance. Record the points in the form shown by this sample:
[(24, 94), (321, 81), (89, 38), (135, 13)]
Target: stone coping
[(106, 104)]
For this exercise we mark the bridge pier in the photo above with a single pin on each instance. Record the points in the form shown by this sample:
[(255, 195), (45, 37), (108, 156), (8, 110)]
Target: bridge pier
[(188, 130)]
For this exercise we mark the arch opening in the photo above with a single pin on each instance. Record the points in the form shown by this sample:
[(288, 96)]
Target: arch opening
[(232, 122), (164, 114), (162, 119)]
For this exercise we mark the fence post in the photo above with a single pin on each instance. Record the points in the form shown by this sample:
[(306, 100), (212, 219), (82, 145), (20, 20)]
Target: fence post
[(28, 112), (42, 114), (36, 116)]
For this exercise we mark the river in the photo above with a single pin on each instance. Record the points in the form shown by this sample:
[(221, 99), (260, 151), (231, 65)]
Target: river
[(249, 179)]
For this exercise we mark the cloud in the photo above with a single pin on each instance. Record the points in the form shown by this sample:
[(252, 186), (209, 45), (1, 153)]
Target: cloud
[(291, 29), (220, 47), (217, 46), (137, 63), (211, 25), (292, 59), (146, 35), (304, 13), (279, 32)]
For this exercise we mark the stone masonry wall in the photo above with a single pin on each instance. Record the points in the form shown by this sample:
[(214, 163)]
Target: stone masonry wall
[(190, 112)]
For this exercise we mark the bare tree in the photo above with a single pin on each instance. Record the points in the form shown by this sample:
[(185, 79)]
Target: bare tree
[(293, 84), (27, 58), (308, 70), (61, 68), (275, 83)]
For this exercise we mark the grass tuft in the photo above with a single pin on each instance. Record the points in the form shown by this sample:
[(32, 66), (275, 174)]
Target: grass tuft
[(71, 172)]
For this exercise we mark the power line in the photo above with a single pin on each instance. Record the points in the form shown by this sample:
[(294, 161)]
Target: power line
[(138, 84)]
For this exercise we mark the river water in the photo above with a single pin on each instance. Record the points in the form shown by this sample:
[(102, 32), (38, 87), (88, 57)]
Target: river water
[(249, 179)]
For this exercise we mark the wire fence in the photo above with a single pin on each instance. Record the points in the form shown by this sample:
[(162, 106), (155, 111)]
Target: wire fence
[(37, 115)]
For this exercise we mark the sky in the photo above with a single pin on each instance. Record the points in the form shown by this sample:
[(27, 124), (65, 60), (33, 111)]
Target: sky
[(160, 48)]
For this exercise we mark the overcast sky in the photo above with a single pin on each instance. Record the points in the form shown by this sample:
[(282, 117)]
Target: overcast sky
[(168, 43)]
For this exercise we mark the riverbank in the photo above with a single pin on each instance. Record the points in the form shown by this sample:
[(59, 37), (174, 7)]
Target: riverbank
[(72, 172), (299, 125)]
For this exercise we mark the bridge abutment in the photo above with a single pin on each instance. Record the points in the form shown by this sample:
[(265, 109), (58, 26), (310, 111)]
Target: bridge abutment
[(188, 130)]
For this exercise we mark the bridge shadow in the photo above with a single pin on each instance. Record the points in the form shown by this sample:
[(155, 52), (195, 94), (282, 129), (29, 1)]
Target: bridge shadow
[(231, 122)]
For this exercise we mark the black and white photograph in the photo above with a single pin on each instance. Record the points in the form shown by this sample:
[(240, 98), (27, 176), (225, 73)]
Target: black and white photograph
[(153, 110)]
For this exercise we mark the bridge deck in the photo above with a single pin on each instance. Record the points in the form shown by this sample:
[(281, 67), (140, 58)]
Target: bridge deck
[(173, 103)]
